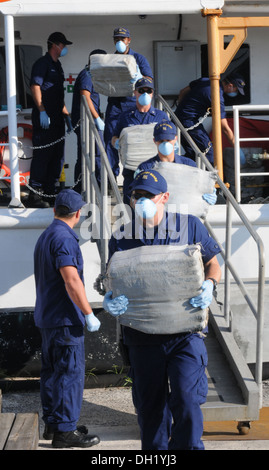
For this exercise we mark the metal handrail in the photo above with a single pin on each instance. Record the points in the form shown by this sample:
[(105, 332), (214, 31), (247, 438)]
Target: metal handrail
[(229, 268), (238, 172), (92, 192)]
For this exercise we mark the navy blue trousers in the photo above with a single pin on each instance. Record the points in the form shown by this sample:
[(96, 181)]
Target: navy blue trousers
[(62, 376), (47, 163), (169, 385)]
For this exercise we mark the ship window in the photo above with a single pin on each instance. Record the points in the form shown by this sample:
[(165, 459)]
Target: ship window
[(25, 56), (240, 64)]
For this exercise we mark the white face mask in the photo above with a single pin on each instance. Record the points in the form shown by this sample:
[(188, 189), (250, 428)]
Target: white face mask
[(144, 99), (121, 47), (166, 148), (146, 208)]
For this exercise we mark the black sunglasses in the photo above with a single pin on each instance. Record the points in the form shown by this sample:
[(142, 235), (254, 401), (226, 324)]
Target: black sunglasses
[(145, 90), (136, 195)]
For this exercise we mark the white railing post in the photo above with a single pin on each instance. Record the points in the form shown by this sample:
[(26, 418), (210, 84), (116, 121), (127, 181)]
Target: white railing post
[(11, 105)]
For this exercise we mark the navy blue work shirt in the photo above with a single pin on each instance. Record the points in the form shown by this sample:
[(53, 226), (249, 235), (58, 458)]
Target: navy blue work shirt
[(148, 164), (196, 103), (57, 247), (83, 82), (134, 117), (124, 102), (174, 229), (49, 75)]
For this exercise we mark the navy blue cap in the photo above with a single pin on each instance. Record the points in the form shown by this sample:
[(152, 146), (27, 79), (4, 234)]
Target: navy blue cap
[(57, 38), (144, 82), (238, 81), (165, 130), (70, 199), (151, 181), (121, 33)]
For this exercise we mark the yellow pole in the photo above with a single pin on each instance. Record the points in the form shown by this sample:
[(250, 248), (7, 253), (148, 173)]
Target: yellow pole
[(214, 75)]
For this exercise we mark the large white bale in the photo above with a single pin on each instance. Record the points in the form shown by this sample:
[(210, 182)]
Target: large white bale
[(111, 74), (158, 281), (186, 186), (136, 145)]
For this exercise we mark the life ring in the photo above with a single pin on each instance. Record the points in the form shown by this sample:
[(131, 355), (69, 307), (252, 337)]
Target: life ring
[(4, 170)]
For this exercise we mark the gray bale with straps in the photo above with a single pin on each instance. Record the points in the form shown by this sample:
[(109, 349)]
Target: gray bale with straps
[(159, 280), (111, 74)]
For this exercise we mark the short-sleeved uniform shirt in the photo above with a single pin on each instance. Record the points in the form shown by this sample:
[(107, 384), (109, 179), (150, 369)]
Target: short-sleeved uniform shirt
[(57, 247), (148, 164), (173, 229), (196, 103), (124, 102), (83, 82), (49, 76), (134, 117)]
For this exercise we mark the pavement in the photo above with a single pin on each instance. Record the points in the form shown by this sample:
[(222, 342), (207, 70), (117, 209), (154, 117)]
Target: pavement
[(109, 413)]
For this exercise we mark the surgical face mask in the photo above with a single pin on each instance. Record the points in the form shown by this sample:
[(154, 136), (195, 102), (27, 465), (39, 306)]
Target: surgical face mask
[(121, 47), (146, 208), (232, 94), (144, 99), (64, 51), (165, 148)]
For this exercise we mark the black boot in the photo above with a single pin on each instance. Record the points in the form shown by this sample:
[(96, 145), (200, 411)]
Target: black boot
[(49, 432), (35, 200), (73, 439)]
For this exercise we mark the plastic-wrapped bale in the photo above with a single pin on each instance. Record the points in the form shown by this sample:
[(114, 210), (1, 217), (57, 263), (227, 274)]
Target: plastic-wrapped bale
[(111, 74), (159, 281), (136, 145), (186, 186)]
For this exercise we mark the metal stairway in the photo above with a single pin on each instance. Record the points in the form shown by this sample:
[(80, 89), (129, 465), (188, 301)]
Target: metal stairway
[(233, 393)]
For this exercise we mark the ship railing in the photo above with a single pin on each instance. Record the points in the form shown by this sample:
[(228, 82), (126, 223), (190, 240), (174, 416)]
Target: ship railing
[(94, 193), (238, 173)]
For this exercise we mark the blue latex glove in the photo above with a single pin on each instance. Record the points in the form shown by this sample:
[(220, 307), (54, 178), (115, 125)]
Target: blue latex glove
[(137, 75), (44, 120), (116, 306), (211, 198), (117, 144), (92, 322), (204, 299), (99, 124), (68, 123), (242, 157)]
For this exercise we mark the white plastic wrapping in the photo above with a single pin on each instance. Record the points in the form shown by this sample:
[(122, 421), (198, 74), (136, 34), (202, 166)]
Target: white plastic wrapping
[(158, 281), (186, 185), (111, 74), (136, 145)]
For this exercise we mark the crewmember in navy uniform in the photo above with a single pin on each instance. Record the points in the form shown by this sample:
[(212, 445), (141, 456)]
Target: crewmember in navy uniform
[(118, 105), (143, 113), (195, 101), (61, 311), (168, 419), (49, 115), (84, 87), (165, 137)]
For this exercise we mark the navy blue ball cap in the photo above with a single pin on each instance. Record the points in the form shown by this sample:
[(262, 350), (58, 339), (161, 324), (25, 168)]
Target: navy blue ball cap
[(70, 199), (144, 82), (57, 38), (151, 181), (165, 130), (121, 33), (238, 81)]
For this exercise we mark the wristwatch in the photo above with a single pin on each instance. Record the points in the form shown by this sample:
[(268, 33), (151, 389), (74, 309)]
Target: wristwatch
[(214, 283)]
